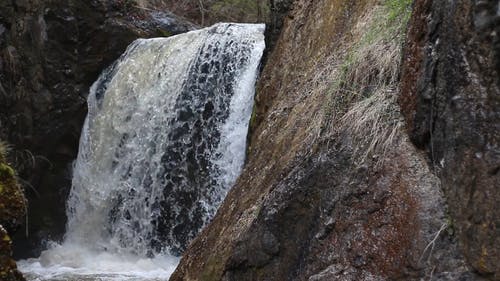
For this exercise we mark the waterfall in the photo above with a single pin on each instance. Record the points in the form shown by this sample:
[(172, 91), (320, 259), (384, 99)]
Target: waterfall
[(163, 142)]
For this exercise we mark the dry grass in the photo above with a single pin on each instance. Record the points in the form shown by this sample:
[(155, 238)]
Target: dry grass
[(365, 86), (373, 124)]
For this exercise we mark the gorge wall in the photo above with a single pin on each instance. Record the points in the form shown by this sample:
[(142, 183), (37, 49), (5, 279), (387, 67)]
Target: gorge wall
[(367, 160), (50, 53), (451, 101), (353, 142)]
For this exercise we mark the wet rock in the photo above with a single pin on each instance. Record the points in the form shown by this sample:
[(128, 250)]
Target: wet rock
[(50, 53)]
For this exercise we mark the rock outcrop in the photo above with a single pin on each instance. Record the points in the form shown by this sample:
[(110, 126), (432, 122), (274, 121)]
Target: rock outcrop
[(451, 101), (12, 212), (334, 188), (50, 53)]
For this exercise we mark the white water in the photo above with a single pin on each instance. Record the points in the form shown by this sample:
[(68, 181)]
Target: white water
[(163, 142)]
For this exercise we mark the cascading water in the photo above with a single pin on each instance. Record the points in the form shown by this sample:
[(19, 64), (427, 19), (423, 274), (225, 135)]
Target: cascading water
[(163, 142)]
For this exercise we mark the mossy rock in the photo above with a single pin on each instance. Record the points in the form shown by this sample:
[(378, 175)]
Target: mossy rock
[(6, 171), (8, 268), (12, 201)]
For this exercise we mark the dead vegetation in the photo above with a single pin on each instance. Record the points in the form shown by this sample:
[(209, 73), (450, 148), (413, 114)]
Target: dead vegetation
[(364, 88)]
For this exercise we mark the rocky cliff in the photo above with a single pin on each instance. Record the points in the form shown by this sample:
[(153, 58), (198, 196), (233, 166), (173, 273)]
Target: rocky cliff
[(353, 142), (50, 53), (451, 102), (374, 146)]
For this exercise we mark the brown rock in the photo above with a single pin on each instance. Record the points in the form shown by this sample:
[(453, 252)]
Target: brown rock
[(333, 188), (451, 102)]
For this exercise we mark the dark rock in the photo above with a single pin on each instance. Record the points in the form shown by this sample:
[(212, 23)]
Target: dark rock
[(208, 12), (451, 102), (12, 212), (8, 268), (50, 53), (12, 201), (280, 9)]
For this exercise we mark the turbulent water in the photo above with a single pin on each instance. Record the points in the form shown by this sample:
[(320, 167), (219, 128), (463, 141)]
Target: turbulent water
[(163, 142)]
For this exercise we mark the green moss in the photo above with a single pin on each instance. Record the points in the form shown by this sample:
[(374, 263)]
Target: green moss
[(1, 188), (247, 10), (388, 25), (398, 10), (6, 171), (253, 117), (164, 33)]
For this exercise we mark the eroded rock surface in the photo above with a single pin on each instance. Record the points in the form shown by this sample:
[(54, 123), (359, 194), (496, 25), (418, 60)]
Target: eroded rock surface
[(451, 101), (333, 189)]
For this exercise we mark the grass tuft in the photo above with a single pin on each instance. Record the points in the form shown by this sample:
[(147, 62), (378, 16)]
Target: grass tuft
[(365, 86), (374, 124)]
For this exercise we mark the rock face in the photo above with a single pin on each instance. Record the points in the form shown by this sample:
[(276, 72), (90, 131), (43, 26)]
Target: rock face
[(12, 212), (333, 189), (50, 53), (451, 102)]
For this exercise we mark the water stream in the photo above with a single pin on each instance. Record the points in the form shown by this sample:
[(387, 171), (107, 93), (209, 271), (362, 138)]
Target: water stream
[(163, 142)]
